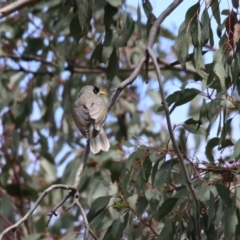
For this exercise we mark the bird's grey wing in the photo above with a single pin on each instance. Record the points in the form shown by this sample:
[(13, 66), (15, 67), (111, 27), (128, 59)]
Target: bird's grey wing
[(98, 112), (82, 119)]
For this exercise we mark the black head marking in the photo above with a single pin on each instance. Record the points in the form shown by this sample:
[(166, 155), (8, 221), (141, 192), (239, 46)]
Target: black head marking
[(96, 90)]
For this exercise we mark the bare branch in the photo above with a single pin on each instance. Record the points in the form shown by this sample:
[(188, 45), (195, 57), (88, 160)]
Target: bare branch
[(164, 65), (159, 20), (150, 43), (41, 197), (125, 83), (88, 230), (15, 6), (82, 165), (167, 113), (53, 211)]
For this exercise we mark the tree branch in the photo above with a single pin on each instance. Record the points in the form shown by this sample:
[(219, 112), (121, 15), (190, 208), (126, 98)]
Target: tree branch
[(15, 6), (164, 65), (88, 230), (167, 113), (150, 43), (41, 197), (82, 165)]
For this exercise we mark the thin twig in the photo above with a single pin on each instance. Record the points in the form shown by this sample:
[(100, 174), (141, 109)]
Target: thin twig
[(150, 43), (164, 65), (53, 211), (167, 113), (41, 197), (82, 165), (159, 20), (88, 230), (15, 6)]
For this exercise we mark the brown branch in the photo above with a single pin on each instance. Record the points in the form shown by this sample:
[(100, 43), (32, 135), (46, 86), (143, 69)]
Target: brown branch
[(159, 20), (85, 69), (15, 6), (82, 165), (89, 230), (150, 43), (53, 211), (41, 197), (167, 113)]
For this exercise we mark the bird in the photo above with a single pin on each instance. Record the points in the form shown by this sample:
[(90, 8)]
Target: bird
[(89, 114)]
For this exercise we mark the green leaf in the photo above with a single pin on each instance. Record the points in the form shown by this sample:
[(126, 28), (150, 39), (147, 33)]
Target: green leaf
[(192, 13), (35, 236), (194, 129), (209, 147), (229, 222), (75, 28), (165, 208), (119, 225), (133, 157), (236, 153), (128, 144), (167, 232), (211, 209), (126, 185), (96, 55), (142, 204), (146, 168), (205, 34), (33, 45), (187, 95), (112, 67), (235, 3), (20, 190), (198, 62), (181, 46), (147, 7), (216, 11), (224, 194), (125, 28), (109, 12), (220, 72), (97, 207), (139, 24), (116, 170), (170, 100)]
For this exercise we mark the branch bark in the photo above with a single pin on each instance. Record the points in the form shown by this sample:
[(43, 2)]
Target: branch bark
[(164, 65), (29, 213), (175, 146), (150, 43), (15, 6)]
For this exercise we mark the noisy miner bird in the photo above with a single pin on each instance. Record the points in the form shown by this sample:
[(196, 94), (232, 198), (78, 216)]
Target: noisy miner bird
[(89, 114)]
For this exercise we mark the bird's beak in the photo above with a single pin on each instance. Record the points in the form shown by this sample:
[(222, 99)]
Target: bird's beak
[(102, 93)]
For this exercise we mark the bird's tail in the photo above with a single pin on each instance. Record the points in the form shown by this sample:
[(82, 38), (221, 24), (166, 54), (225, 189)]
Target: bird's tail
[(99, 141)]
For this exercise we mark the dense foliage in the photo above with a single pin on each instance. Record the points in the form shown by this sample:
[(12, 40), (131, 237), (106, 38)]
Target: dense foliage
[(141, 188)]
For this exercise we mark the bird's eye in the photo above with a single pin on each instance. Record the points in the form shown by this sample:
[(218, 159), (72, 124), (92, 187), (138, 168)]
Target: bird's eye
[(96, 90)]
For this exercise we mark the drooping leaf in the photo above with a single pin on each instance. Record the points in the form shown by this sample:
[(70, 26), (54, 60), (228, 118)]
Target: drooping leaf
[(97, 207), (112, 67), (125, 28), (119, 225), (209, 147), (96, 56), (184, 96), (165, 208), (216, 11), (75, 28), (236, 153), (211, 209), (224, 194)]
